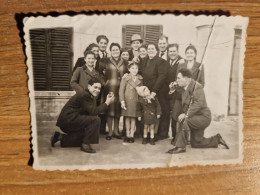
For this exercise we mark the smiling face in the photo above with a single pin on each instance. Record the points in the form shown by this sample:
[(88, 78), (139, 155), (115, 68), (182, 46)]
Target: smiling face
[(102, 45), (142, 52), (94, 89), (125, 55), (115, 52), (90, 59), (173, 53), (162, 44), (95, 50), (190, 54), (135, 45), (151, 50), (133, 70)]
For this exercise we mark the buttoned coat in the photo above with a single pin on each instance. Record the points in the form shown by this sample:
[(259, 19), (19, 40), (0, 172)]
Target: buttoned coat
[(114, 71), (149, 111), (128, 94), (74, 115), (82, 75)]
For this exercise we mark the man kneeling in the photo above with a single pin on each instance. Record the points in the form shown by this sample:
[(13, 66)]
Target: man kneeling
[(195, 117), (79, 119)]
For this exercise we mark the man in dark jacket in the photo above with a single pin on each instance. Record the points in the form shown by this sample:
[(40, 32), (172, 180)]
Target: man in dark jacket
[(79, 120), (195, 117), (173, 61)]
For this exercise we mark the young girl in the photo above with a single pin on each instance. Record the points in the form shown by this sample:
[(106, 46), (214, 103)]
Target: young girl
[(128, 98), (151, 111)]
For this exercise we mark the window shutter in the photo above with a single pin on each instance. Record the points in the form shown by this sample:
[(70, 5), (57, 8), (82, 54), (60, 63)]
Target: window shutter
[(128, 31), (149, 33), (60, 55), (52, 58), (39, 58), (152, 33)]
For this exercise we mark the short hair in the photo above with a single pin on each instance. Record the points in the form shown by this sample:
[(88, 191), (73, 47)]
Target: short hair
[(132, 64), (90, 47), (114, 44), (94, 80), (191, 47), (99, 37), (173, 45), (156, 47), (142, 46), (185, 72), (88, 52), (163, 37), (124, 50)]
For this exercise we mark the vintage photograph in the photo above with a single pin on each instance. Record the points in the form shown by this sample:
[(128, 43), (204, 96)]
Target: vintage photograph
[(119, 91)]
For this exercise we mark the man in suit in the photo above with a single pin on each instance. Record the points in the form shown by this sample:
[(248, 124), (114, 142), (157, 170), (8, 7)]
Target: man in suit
[(102, 42), (174, 60), (162, 45), (195, 116)]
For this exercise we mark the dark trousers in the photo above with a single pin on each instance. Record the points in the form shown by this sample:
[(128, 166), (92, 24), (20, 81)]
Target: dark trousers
[(196, 125), (87, 134), (103, 123), (173, 126), (165, 117)]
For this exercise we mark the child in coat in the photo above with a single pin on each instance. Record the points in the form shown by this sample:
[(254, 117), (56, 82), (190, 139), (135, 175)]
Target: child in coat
[(150, 111), (128, 98)]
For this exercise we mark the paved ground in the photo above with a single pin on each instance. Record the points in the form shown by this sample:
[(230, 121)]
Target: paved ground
[(116, 154)]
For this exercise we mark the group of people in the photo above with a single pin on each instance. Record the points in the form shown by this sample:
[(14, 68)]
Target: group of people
[(150, 85)]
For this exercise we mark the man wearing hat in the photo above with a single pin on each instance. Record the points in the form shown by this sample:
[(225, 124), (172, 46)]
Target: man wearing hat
[(136, 42)]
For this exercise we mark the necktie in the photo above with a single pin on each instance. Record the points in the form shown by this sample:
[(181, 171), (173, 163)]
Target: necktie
[(162, 53), (104, 54)]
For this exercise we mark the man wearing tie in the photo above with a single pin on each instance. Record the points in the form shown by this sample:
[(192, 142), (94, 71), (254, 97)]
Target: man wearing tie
[(162, 44), (102, 42), (174, 60)]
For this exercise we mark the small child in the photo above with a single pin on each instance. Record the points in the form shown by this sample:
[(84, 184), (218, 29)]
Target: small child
[(128, 98), (151, 111)]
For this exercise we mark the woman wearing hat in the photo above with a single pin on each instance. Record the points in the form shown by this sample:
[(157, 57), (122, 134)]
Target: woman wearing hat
[(115, 67), (136, 42)]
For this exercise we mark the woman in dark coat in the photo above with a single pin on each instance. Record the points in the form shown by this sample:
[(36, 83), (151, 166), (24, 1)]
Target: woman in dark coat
[(81, 61), (154, 72), (80, 78), (79, 120), (115, 67)]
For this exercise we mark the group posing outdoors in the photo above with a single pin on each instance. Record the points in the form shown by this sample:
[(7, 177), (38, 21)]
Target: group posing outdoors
[(151, 86)]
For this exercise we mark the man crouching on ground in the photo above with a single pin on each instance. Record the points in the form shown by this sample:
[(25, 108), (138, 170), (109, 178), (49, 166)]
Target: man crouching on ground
[(195, 117), (79, 119)]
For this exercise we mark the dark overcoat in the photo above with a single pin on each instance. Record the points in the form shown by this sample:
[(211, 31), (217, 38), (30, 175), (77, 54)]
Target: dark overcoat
[(75, 113), (82, 75), (114, 71), (149, 111)]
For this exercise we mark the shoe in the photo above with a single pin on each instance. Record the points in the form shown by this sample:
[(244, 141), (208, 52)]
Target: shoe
[(178, 150), (171, 150), (87, 148), (117, 136), (55, 138), (152, 142), (144, 141), (131, 140), (221, 141), (108, 137), (126, 139)]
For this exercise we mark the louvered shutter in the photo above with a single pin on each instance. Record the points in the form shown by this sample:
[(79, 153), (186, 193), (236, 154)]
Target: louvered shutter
[(39, 49), (152, 33), (128, 31), (149, 33), (60, 55), (52, 58)]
